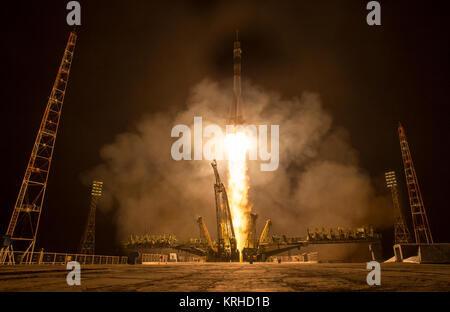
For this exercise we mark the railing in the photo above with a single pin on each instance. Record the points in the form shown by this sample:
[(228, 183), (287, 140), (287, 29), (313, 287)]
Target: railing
[(154, 258), (305, 257), (163, 258), (63, 258)]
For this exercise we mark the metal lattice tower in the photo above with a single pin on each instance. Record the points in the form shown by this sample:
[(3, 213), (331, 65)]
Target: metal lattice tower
[(226, 239), (87, 245), (24, 223), (401, 232), (419, 217)]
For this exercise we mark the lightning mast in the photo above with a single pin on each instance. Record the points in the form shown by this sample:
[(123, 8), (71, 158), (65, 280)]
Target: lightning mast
[(401, 232), (419, 217), (24, 222), (87, 245)]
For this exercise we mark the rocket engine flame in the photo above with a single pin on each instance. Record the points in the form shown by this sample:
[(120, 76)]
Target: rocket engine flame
[(237, 145)]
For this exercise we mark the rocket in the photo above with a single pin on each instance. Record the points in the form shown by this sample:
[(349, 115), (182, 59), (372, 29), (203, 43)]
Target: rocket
[(235, 109)]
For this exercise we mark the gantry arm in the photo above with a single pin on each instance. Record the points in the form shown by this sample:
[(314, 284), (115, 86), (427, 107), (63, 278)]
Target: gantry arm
[(265, 231), (204, 233), (216, 173)]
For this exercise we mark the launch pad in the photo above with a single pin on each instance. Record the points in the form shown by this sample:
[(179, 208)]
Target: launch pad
[(231, 277), (257, 248)]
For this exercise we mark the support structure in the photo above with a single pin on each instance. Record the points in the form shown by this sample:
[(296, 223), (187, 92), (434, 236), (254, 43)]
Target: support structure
[(401, 232), (419, 217), (252, 240), (204, 234), (265, 232), (87, 246), (226, 240), (24, 222)]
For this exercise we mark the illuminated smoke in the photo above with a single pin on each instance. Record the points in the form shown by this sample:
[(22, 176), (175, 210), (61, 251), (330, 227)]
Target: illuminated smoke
[(318, 182)]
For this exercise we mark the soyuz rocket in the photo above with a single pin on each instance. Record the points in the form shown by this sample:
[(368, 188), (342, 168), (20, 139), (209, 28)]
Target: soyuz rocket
[(235, 109)]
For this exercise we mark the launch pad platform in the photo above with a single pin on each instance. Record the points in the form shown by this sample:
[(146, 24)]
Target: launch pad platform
[(218, 277)]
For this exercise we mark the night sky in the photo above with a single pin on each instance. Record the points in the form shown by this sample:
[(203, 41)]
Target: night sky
[(139, 57)]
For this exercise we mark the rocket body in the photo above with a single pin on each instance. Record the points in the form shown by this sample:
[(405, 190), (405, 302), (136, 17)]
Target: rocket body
[(235, 112)]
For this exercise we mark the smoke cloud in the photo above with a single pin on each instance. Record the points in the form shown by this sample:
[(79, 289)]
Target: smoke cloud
[(318, 182)]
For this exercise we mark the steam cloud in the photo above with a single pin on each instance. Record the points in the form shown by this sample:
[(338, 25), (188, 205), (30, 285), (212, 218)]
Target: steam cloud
[(318, 182)]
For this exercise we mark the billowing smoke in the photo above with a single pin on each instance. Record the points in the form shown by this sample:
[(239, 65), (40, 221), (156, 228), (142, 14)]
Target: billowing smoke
[(318, 181)]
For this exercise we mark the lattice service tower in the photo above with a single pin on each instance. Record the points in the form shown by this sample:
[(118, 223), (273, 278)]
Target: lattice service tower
[(226, 239), (419, 217), (87, 246), (24, 223), (401, 232)]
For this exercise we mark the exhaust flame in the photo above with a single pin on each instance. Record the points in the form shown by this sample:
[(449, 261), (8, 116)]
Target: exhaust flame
[(237, 145)]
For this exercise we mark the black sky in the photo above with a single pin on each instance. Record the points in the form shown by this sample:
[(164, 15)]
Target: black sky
[(138, 57)]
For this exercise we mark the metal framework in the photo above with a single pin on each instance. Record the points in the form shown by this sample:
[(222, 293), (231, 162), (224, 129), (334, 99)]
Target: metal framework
[(419, 217), (401, 232), (57, 258), (252, 240), (265, 232), (226, 241), (204, 234), (87, 245), (270, 244), (24, 222)]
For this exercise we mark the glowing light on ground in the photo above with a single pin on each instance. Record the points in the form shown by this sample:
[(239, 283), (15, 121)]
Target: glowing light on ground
[(237, 145)]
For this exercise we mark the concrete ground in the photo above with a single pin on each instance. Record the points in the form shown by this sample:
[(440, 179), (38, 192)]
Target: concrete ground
[(219, 277)]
